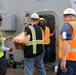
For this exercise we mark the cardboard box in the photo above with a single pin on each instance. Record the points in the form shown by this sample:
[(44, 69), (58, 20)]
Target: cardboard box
[(19, 46)]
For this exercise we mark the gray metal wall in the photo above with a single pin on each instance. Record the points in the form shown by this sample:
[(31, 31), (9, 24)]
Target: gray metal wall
[(18, 6)]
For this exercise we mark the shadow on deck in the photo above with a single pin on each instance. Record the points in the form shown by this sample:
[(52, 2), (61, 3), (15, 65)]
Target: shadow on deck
[(20, 71)]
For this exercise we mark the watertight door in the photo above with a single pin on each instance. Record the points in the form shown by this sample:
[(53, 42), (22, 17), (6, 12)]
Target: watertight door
[(51, 20), (25, 19)]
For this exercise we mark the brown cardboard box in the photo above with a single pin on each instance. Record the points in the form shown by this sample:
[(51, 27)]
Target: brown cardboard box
[(19, 46)]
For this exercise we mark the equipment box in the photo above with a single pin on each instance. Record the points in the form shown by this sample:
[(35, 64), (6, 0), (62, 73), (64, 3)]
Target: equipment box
[(19, 46)]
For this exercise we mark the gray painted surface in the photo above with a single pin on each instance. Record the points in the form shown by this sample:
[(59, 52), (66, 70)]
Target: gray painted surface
[(18, 6)]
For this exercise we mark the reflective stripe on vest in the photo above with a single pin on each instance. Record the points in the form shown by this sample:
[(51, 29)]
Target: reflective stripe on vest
[(72, 52), (34, 41), (2, 39), (74, 37), (46, 37)]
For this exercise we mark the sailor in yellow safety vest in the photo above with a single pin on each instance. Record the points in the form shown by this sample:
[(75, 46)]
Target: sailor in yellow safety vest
[(34, 47), (3, 65)]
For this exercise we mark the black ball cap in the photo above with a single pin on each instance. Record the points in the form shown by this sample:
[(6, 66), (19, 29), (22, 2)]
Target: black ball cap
[(1, 17)]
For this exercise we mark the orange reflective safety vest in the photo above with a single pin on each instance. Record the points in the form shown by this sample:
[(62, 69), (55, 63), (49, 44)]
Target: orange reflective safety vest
[(72, 53), (47, 35)]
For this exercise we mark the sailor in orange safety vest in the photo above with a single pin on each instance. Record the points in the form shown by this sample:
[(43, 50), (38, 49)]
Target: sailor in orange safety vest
[(47, 40), (67, 44)]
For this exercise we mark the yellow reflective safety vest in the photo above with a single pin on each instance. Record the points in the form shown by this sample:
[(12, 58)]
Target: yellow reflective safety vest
[(34, 42), (2, 41), (72, 53)]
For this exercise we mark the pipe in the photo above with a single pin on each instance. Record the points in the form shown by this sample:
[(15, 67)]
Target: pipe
[(2, 12)]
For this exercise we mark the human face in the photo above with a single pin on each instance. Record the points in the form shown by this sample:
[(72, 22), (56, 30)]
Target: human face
[(66, 18)]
